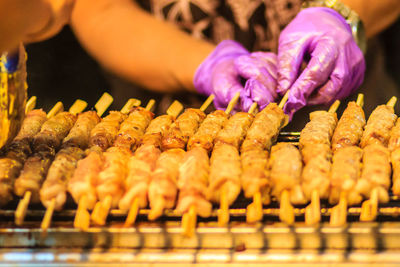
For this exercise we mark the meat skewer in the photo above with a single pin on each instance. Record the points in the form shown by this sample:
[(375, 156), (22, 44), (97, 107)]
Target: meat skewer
[(285, 166), (315, 147), (18, 151), (54, 189), (44, 144), (260, 137), (82, 184), (374, 182), (111, 179), (346, 161), (163, 186), (142, 164), (194, 170), (225, 165)]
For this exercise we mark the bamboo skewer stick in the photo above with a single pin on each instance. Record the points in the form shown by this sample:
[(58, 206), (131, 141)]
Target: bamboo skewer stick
[(23, 204), (76, 108), (369, 208), (82, 216), (339, 212), (103, 103), (223, 212), (102, 208), (30, 104), (313, 211), (173, 110)]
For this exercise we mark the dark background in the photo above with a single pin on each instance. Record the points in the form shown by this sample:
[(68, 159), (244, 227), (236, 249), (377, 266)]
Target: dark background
[(59, 69)]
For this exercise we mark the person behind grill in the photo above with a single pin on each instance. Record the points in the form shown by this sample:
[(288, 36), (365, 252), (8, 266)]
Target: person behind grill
[(215, 57)]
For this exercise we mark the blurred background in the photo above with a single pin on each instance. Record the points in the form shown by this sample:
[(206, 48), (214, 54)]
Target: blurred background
[(59, 69)]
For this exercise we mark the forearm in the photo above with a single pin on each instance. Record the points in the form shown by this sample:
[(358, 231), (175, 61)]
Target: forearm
[(375, 14), (137, 46), (20, 18)]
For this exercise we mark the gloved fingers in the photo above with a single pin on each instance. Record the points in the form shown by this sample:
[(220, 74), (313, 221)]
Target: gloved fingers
[(260, 66), (256, 91), (317, 72), (289, 59), (226, 83)]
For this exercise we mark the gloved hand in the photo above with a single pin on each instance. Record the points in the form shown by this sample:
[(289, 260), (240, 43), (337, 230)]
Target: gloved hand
[(336, 66), (230, 65)]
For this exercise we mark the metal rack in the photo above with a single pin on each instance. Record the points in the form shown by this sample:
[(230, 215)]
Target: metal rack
[(162, 241)]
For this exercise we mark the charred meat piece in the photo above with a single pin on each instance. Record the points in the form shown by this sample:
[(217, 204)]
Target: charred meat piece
[(85, 178), (285, 166), (140, 167), (379, 124), (105, 132), (165, 176), (133, 128), (60, 172), (350, 127), (193, 182), (112, 177), (156, 129), (80, 132), (375, 172), (208, 130), (235, 129), (225, 170), (53, 131), (182, 129), (345, 172)]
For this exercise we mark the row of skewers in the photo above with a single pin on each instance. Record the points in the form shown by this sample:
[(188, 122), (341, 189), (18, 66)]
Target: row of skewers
[(129, 160)]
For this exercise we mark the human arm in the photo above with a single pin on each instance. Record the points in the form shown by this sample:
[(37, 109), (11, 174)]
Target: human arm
[(31, 20), (134, 44), (375, 15)]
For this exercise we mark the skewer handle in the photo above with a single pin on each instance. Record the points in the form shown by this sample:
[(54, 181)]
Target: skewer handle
[(232, 103), (360, 100), (223, 212), (175, 109), (82, 216), (132, 102), (78, 106), (30, 104), (58, 107), (150, 106), (20, 213), (103, 103), (286, 210), (133, 212), (284, 100), (48, 215), (207, 103)]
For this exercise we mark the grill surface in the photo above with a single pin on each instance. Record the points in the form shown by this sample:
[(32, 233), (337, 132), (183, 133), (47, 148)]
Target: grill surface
[(162, 241)]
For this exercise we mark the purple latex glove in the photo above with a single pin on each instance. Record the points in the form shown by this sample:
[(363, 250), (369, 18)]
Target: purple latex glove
[(230, 64), (336, 66)]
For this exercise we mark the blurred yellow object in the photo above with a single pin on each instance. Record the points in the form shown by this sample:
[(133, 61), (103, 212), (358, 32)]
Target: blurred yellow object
[(13, 94)]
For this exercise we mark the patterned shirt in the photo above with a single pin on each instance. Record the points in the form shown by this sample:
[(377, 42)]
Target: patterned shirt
[(256, 24)]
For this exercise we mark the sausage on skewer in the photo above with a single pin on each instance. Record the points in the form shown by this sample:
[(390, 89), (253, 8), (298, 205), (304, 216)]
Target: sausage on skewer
[(285, 166), (53, 193), (111, 179), (142, 164), (163, 186), (17, 152), (375, 176), (262, 134), (346, 162), (315, 146)]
